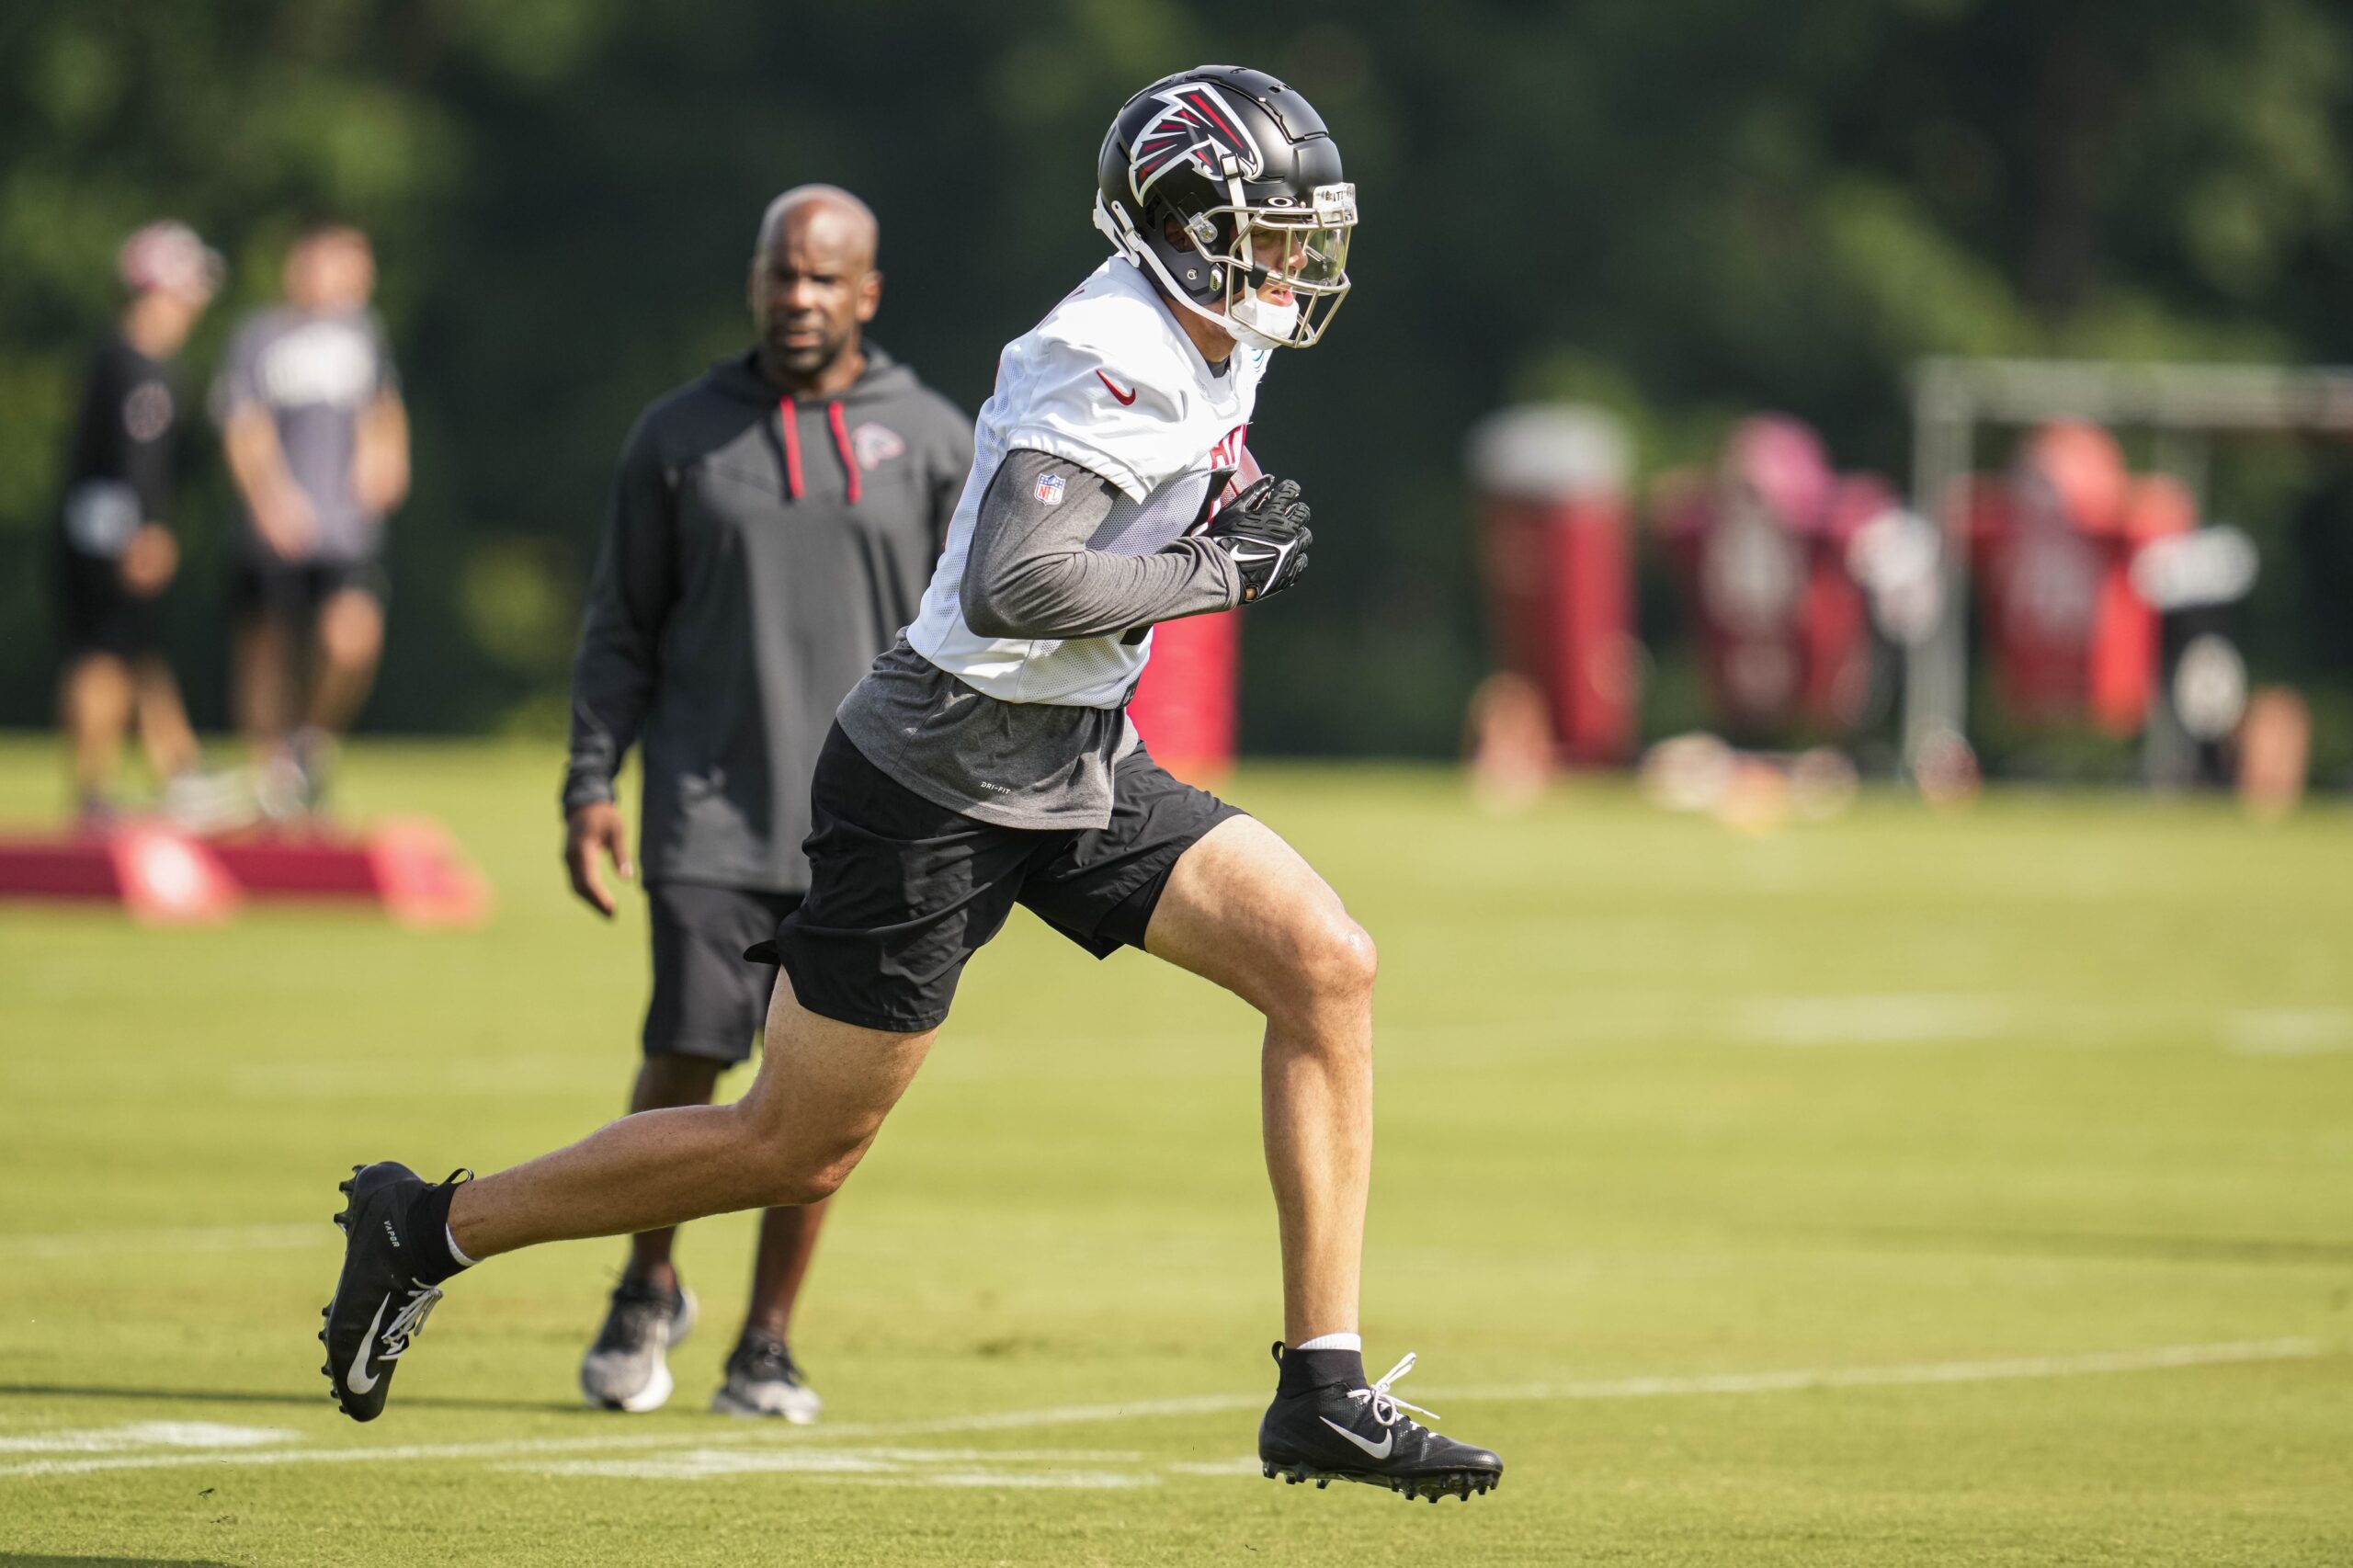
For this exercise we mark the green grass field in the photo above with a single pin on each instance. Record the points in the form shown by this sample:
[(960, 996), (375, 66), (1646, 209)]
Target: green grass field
[(1908, 1190)]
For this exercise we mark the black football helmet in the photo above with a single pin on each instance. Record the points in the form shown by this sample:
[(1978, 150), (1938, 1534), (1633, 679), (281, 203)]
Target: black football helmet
[(1223, 184)]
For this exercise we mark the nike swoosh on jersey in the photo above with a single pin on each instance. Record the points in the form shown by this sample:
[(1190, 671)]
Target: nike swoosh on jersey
[(358, 1379), (1377, 1450), (1125, 397)]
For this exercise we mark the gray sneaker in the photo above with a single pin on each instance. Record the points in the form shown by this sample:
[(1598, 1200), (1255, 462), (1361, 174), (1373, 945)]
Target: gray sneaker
[(763, 1380), (627, 1367)]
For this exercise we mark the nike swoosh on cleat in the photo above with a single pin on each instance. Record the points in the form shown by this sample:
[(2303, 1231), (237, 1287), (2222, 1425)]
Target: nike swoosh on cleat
[(359, 1381), (1377, 1450), (1125, 397)]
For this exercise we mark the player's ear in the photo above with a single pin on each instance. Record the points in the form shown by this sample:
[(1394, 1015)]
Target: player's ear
[(869, 294)]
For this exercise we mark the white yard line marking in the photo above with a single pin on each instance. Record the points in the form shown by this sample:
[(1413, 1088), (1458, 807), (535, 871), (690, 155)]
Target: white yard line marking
[(146, 1435), (1616, 1021), (1241, 1464), (2160, 1358), (1009, 1479), (971, 1467), (215, 1238), (2288, 1031)]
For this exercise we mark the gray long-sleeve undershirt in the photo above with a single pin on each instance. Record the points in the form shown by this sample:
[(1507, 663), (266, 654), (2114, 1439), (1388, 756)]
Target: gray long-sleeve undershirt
[(1030, 572)]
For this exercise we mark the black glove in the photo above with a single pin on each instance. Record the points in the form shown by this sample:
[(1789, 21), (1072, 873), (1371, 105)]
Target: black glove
[(1265, 530)]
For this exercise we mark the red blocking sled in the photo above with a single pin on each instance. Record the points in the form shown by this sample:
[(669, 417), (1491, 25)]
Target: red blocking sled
[(410, 867), (157, 876)]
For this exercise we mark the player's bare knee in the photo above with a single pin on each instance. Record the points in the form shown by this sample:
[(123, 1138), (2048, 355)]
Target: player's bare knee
[(778, 1175), (826, 1179), (351, 651), (1364, 958), (785, 1166), (1343, 961), (793, 1178), (789, 1187), (351, 631), (1332, 963)]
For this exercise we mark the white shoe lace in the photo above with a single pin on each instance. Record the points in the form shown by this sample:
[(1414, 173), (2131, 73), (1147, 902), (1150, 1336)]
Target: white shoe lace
[(1384, 1404), (407, 1323)]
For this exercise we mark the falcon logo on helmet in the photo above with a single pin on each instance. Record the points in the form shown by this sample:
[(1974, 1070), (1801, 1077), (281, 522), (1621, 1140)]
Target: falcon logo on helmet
[(1197, 125)]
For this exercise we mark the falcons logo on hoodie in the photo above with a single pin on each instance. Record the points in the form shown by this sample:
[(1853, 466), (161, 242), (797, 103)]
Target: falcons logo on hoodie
[(1197, 125)]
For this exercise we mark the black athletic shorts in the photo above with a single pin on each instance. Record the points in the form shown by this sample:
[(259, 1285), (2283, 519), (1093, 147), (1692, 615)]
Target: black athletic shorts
[(902, 892), (707, 1001), (100, 615), (293, 592)]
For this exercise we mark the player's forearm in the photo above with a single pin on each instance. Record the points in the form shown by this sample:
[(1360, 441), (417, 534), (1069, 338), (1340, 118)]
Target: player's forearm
[(1030, 572), (1089, 593)]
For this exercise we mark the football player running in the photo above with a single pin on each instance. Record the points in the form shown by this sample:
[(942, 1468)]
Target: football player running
[(987, 761)]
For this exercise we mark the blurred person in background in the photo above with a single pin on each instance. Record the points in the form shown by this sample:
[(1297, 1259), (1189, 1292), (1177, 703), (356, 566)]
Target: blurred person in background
[(773, 526), (317, 438), (115, 545)]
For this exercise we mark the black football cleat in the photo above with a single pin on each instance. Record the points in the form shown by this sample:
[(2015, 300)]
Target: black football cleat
[(380, 1304), (1339, 1433)]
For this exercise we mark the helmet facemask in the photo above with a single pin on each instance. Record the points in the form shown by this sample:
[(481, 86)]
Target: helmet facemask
[(1277, 269)]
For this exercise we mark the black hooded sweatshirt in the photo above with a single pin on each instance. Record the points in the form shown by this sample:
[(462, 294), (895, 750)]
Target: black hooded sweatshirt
[(760, 553)]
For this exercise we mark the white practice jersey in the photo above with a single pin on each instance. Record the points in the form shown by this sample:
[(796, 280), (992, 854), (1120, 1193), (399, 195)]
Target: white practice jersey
[(1110, 382)]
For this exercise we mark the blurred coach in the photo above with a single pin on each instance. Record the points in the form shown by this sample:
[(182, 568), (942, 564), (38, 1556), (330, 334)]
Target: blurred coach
[(773, 526)]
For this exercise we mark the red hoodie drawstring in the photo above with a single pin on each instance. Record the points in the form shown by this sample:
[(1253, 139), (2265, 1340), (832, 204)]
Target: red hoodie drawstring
[(841, 445), (789, 413)]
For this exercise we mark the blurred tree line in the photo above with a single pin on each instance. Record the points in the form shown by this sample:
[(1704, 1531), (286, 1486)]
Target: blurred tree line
[(1683, 210)]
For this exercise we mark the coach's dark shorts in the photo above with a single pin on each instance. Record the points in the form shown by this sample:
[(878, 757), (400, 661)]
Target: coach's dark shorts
[(902, 891), (292, 593), (707, 1001)]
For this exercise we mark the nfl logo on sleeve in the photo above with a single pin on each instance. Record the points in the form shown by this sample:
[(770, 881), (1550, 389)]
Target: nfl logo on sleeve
[(1049, 489)]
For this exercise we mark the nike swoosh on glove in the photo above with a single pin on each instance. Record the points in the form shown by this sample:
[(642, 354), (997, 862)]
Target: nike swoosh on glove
[(1265, 530)]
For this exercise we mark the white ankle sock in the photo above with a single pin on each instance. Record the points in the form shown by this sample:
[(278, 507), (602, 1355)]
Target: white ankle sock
[(455, 1251), (1331, 1342)]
